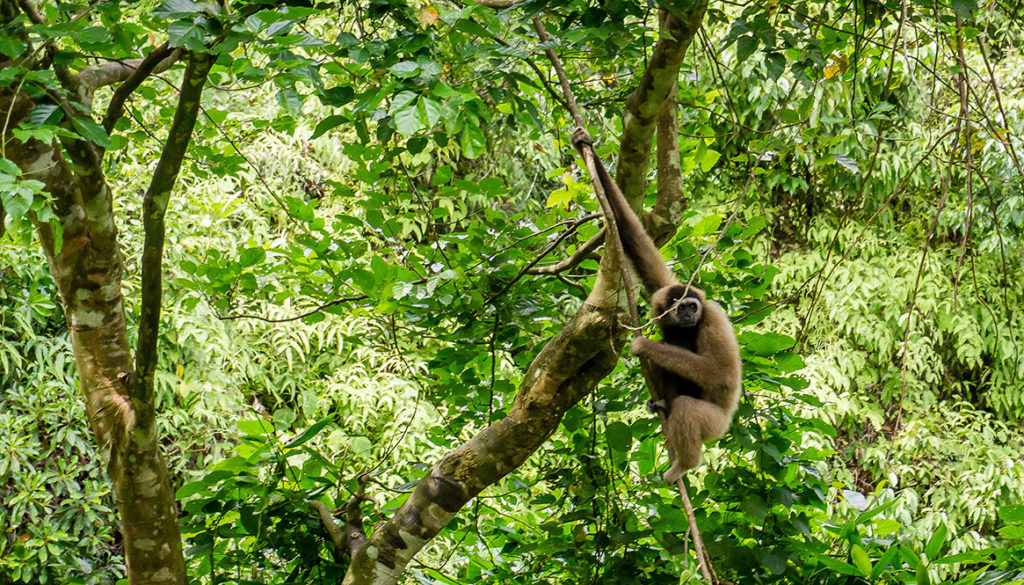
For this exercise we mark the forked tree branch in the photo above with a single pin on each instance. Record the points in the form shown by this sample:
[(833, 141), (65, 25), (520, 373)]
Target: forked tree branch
[(351, 537), (111, 72), (331, 527)]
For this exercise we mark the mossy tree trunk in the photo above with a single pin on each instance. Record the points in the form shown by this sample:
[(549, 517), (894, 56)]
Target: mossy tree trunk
[(84, 256)]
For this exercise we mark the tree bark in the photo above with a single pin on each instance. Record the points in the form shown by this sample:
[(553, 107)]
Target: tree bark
[(87, 267)]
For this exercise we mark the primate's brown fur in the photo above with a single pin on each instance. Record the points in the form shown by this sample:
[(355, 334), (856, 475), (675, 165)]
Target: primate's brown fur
[(698, 361)]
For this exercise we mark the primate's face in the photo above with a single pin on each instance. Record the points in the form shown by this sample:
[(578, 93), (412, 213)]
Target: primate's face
[(680, 308), (688, 312)]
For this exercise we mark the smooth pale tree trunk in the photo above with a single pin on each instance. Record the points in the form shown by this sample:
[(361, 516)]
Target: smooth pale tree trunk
[(87, 269), (86, 261)]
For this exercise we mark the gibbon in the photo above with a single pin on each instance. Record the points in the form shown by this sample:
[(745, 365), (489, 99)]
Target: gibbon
[(697, 364)]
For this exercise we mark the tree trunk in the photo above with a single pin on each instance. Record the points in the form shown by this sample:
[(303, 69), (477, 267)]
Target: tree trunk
[(87, 268), (86, 263)]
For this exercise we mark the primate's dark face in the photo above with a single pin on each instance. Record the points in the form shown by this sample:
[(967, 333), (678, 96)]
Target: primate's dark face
[(679, 308)]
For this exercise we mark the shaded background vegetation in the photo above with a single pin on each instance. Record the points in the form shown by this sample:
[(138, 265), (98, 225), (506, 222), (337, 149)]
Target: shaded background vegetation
[(856, 205)]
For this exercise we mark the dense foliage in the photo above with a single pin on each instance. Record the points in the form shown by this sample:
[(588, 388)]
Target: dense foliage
[(351, 290)]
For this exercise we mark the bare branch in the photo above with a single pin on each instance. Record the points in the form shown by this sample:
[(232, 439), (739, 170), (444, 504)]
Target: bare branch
[(582, 253), (498, 3), (157, 61), (154, 205), (570, 99), (526, 270), (302, 315)]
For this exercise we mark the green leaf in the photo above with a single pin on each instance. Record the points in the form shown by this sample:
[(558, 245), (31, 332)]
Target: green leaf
[(473, 27), (789, 361), (619, 436), (283, 418), (361, 445), (765, 344), (416, 144), (472, 141), (407, 121), (328, 123), (1015, 532), (337, 96), (91, 131), (776, 65), (773, 561), (710, 158), (11, 46), (707, 225), (860, 560), (1012, 514), (177, 8), (884, 561), (921, 576), (839, 566), (401, 101), (187, 33), (755, 507), (45, 114), (429, 111), (290, 100), (964, 8), (886, 526), (868, 514), (404, 69), (16, 200), (255, 428), (745, 47), (972, 557), (190, 489), (252, 256), (938, 538), (671, 519), (92, 35), (8, 168), (441, 176), (559, 197)]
